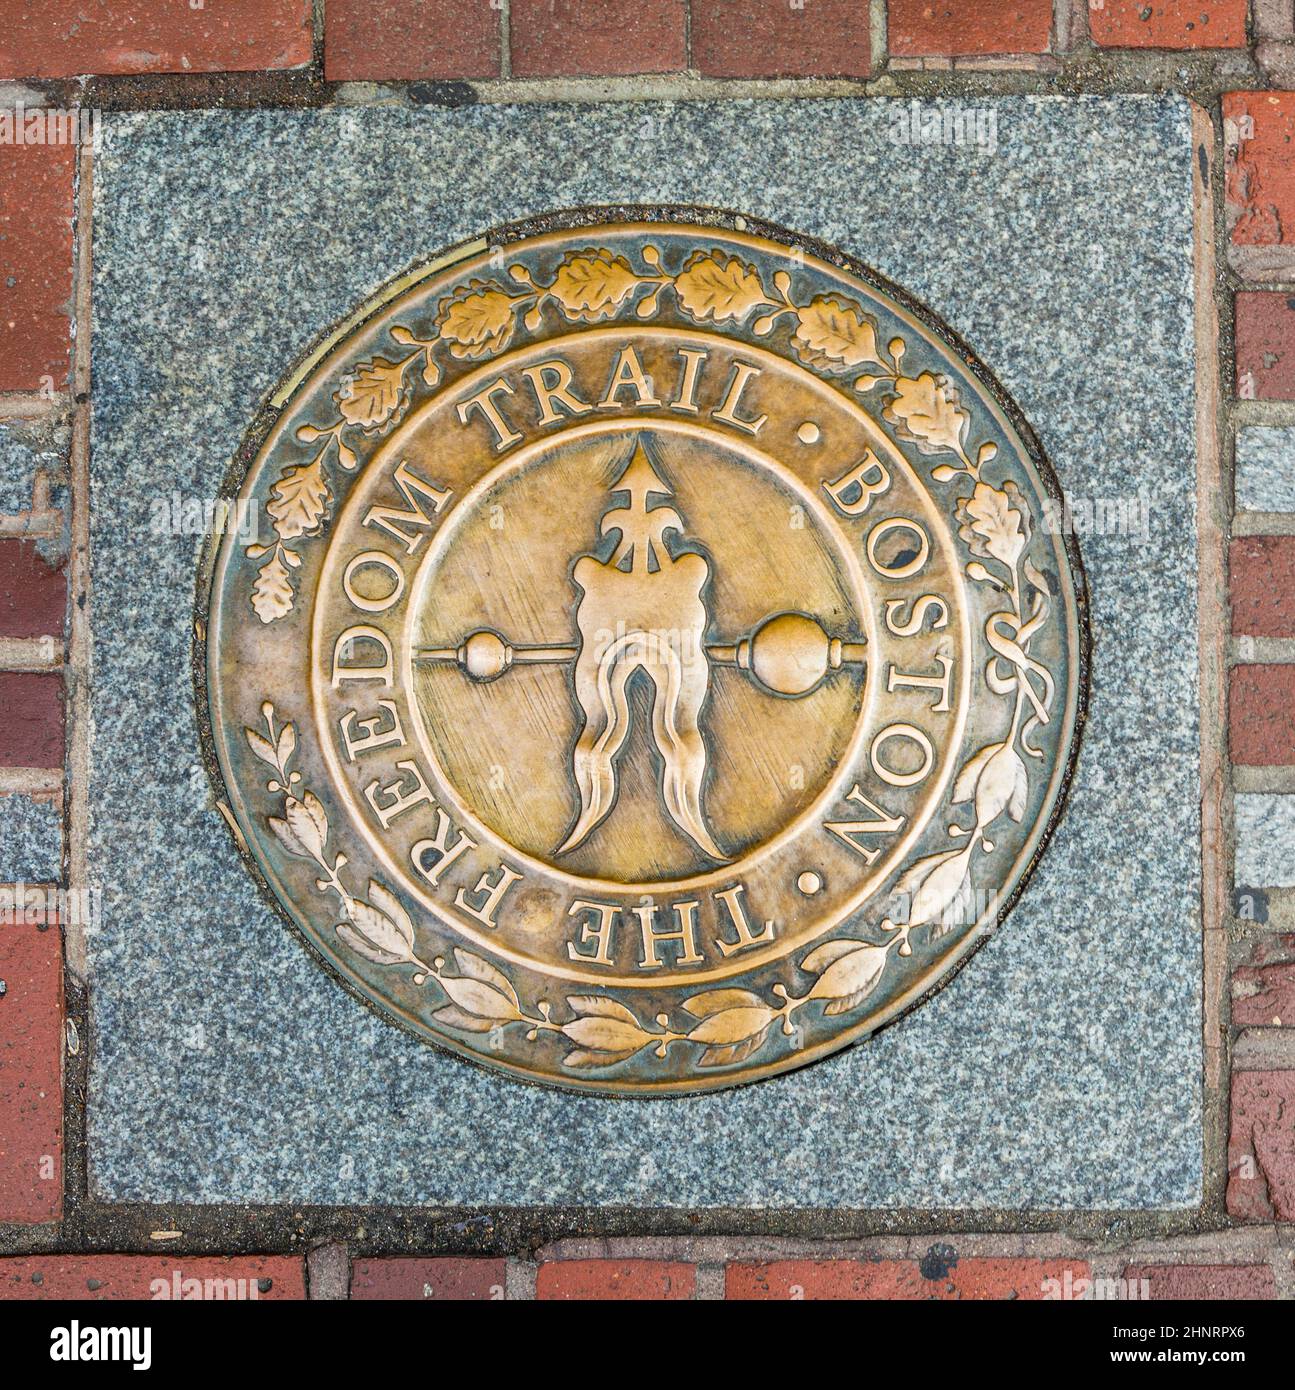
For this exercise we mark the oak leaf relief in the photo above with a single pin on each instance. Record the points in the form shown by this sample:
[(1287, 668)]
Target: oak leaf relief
[(372, 394), (831, 331), (925, 411), (477, 321), (995, 522), (299, 499), (272, 594), (719, 287), (592, 285)]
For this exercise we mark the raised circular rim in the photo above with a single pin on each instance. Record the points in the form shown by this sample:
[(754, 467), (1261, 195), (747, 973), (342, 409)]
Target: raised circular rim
[(278, 402)]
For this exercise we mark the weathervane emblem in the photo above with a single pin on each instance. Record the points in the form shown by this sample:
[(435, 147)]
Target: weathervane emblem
[(642, 610)]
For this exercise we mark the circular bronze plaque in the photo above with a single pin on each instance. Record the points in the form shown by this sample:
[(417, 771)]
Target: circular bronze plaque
[(655, 666)]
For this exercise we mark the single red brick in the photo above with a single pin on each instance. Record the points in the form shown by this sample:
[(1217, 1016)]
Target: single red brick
[(1261, 715), (31, 719), (35, 263), (33, 592), (820, 1279), (380, 40), (66, 38), (1215, 1282), (615, 1279), (967, 28), (985, 1278), (942, 1275), (573, 38), (1263, 990), (769, 38), (156, 1277), (1260, 167), (459, 1280), (1278, 949), (1265, 345), (1261, 1149), (1169, 23), (31, 1070), (1262, 570)]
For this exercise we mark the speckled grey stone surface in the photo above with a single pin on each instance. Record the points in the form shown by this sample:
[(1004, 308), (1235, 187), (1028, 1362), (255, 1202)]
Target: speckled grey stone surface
[(1060, 1069), (1265, 831), (1265, 468), (26, 447), (31, 840)]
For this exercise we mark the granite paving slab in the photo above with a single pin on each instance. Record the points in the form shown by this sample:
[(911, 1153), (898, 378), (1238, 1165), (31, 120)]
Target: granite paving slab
[(1265, 829), (1061, 1069), (26, 448), (1265, 478), (31, 840)]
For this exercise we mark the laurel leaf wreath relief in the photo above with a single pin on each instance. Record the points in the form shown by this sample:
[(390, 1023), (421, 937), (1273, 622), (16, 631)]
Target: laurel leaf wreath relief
[(727, 1025)]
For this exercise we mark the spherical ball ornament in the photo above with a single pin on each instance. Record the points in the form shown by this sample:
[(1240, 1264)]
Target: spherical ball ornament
[(789, 654), (485, 655)]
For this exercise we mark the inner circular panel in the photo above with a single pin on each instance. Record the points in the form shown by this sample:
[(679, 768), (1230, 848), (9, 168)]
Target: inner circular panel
[(507, 565)]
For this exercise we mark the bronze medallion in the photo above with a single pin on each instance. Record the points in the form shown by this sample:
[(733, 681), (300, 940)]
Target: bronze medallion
[(656, 668)]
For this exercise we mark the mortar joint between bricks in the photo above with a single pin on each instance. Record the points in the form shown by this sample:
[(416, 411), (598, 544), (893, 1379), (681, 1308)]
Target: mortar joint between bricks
[(878, 24), (519, 1279), (505, 38)]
